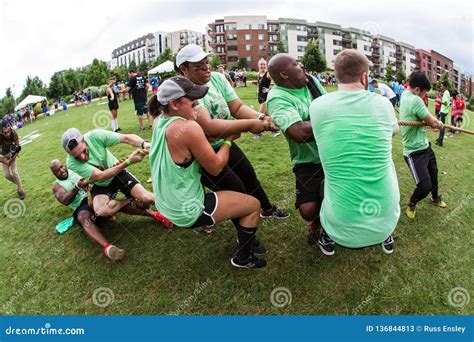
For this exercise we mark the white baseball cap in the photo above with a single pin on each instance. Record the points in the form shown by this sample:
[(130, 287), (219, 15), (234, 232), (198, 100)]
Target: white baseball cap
[(190, 53)]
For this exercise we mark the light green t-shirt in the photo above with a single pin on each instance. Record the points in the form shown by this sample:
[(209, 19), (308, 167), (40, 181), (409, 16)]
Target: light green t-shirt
[(220, 92), (99, 157), (68, 185), (288, 106), (361, 196), (179, 195), (412, 108), (446, 98)]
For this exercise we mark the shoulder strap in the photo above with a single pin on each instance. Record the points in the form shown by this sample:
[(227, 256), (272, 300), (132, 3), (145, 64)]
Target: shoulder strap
[(313, 88)]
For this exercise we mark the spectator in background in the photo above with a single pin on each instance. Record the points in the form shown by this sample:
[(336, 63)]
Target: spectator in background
[(232, 76), (113, 103), (154, 84), (221, 69), (395, 88), (10, 147), (138, 88), (457, 111), (443, 113), (386, 91), (437, 104), (244, 76)]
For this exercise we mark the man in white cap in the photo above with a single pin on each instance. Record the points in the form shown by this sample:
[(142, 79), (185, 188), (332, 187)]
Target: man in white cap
[(221, 113), (91, 160)]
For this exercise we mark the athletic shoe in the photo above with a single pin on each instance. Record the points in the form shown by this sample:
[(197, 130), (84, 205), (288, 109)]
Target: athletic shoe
[(149, 180), (257, 136), (113, 252), (141, 129), (313, 232), (438, 143), (161, 219), (251, 262), (326, 245), (21, 194), (387, 245), (275, 133), (274, 212), (411, 211), (438, 202), (257, 247)]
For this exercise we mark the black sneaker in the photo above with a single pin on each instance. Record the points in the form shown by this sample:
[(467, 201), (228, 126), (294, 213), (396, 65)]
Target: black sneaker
[(387, 245), (438, 143), (257, 247), (251, 262), (313, 233), (274, 212), (326, 245)]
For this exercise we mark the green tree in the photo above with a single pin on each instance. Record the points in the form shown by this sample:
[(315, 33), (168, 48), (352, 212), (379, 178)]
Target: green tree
[(445, 78), (120, 73), (214, 62), (97, 74), (281, 47), (389, 73), (7, 104), (242, 63), (71, 78), (58, 86), (132, 65), (400, 76), (167, 55), (313, 60), (143, 67), (33, 86)]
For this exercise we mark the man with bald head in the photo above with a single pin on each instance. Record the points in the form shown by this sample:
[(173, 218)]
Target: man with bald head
[(69, 190), (288, 104)]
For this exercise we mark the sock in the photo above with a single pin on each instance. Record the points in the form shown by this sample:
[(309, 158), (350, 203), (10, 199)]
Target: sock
[(113, 125), (116, 124), (245, 236)]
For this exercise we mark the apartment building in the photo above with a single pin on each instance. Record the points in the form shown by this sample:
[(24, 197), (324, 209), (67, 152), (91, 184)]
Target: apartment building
[(177, 39), (405, 57), (138, 50)]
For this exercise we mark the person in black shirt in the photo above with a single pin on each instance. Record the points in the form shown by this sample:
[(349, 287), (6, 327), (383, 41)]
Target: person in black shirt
[(10, 147), (138, 88)]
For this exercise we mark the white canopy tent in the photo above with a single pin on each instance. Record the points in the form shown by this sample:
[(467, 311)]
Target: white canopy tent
[(30, 99), (163, 67)]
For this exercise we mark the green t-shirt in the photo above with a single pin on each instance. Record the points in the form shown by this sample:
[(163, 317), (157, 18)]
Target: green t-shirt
[(412, 108), (361, 196), (446, 98), (68, 185), (99, 157), (288, 106), (179, 195), (220, 92)]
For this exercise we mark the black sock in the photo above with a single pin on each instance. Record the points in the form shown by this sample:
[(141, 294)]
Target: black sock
[(245, 236)]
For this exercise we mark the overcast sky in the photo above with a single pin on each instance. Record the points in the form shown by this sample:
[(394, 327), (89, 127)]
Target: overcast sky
[(41, 37)]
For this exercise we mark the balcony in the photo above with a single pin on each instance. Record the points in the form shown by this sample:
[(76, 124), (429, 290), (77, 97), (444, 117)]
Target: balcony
[(346, 38)]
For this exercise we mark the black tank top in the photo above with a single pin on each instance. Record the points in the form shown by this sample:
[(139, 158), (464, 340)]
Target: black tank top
[(263, 82), (114, 101)]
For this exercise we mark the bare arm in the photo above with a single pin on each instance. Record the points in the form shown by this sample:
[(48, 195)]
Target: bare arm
[(432, 121), (240, 111), (133, 140), (64, 197), (220, 128), (109, 91), (98, 175), (301, 132)]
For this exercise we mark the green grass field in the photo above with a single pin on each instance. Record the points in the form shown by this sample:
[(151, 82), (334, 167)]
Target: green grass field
[(182, 272)]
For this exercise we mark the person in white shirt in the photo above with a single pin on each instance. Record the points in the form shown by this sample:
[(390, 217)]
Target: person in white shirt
[(385, 90)]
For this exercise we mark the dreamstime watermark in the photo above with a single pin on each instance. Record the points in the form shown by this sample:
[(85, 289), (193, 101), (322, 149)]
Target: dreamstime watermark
[(376, 289), (281, 297), (7, 306), (102, 119), (14, 208), (456, 210), (369, 208), (459, 297), (103, 297), (198, 288), (372, 27)]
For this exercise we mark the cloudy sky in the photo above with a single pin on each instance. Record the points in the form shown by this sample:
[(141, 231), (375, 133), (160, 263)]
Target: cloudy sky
[(41, 37)]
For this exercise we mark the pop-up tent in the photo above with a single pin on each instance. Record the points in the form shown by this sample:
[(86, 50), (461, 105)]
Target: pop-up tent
[(163, 67), (30, 99)]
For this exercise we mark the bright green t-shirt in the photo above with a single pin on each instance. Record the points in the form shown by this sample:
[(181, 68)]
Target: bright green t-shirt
[(446, 98), (220, 92), (289, 106), (68, 185), (412, 108), (99, 157), (361, 197), (179, 195)]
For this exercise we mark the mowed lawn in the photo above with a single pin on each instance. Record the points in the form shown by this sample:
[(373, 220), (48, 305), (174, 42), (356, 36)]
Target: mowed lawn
[(182, 272)]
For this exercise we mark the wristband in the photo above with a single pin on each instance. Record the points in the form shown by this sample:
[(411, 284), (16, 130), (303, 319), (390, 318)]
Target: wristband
[(261, 116), (143, 145), (77, 187), (228, 142), (127, 162)]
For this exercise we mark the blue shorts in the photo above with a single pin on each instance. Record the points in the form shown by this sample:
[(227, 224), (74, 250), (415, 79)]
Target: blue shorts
[(141, 108)]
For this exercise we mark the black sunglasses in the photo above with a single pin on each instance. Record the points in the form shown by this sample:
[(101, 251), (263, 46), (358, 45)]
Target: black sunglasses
[(71, 144)]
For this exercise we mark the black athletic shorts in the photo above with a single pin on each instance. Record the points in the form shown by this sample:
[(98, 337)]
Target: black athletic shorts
[(123, 182), (207, 217), (113, 105), (84, 206), (393, 100), (141, 108), (309, 183)]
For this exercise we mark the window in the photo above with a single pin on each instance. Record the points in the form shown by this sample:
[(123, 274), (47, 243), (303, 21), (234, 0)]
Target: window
[(261, 26), (302, 38), (220, 49), (248, 26), (336, 42), (337, 33), (283, 26), (249, 58), (230, 27), (248, 37), (336, 51), (261, 37), (248, 47), (232, 48), (366, 48), (232, 59), (261, 47), (301, 48), (231, 37)]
